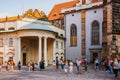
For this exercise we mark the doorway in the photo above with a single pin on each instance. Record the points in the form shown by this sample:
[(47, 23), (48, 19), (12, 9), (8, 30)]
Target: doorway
[(24, 59), (95, 55)]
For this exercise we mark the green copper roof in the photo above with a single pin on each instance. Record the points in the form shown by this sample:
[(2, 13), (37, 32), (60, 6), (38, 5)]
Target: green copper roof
[(36, 26)]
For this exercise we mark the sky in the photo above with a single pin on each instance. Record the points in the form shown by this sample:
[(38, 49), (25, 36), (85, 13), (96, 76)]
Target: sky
[(15, 7)]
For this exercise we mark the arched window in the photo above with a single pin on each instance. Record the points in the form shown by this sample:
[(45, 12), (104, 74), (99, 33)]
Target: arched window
[(11, 28), (95, 33), (73, 35)]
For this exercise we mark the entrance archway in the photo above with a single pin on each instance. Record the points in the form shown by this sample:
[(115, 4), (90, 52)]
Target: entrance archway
[(30, 49), (29, 46), (95, 53)]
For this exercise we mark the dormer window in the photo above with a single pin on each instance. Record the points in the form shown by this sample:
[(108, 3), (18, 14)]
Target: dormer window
[(11, 28), (2, 29)]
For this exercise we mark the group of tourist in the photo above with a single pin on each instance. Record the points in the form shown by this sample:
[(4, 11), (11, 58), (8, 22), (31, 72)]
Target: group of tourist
[(9, 65), (67, 66), (32, 65), (109, 64)]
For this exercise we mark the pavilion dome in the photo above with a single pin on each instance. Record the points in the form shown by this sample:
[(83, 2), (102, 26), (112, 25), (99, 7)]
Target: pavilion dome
[(36, 26)]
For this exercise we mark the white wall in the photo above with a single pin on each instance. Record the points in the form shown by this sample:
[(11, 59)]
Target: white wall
[(73, 52), (90, 17)]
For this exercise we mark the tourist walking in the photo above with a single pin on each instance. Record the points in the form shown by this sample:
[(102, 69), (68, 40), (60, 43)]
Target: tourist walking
[(57, 63), (106, 65), (78, 64), (29, 65), (71, 66), (66, 67), (12, 65), (33, 66), (110, 63), (96, 63), (19, 65), (42, 65), (115, 67), (6, 66), (0, 65), (119, 65), (62, 64), (54, 64), (85, 64)]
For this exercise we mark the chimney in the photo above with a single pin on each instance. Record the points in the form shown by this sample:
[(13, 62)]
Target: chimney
[(18, 16)]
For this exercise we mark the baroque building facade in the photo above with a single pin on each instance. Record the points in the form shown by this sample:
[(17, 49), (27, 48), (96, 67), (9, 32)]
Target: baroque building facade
[(24, 39), (84, 30), (91, 28)]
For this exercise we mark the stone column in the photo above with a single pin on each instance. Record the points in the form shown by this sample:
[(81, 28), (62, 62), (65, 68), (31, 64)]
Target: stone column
[(40, 49), (45, 51), (19, 49)]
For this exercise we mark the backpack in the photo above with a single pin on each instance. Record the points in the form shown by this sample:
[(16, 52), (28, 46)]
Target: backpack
[(85, 62)]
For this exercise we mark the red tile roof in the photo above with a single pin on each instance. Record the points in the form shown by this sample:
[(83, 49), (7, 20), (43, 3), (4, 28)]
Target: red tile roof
[(55, 12)]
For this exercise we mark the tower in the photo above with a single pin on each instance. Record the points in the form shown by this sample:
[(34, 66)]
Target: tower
[(111, 28)]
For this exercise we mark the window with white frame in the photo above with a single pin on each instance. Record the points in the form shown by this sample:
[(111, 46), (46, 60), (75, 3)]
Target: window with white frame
[(1, 42), (95, 37), (10, 42), (73, 35)]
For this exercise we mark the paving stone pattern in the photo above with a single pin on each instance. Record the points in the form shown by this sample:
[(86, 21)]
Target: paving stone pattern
[(51, 74)]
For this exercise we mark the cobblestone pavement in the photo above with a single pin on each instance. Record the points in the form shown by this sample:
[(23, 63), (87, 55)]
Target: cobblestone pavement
[(50, 74)]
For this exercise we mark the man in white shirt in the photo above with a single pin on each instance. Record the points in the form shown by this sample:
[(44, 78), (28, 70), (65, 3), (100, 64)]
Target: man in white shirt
[(78, 63)]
